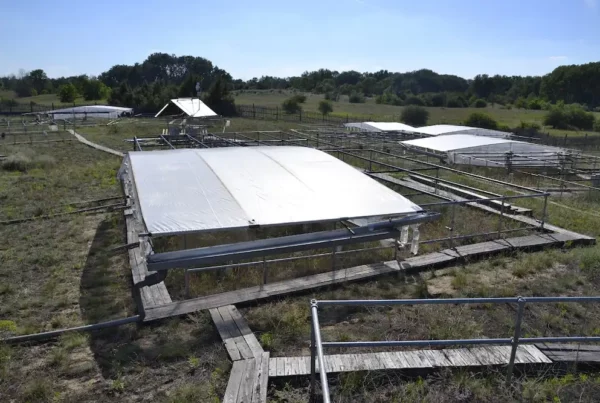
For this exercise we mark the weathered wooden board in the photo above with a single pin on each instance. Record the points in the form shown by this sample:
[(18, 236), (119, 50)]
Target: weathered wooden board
[(414, 359)]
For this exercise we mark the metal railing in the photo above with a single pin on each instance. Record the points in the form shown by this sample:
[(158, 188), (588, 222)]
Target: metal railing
[(317, 345)]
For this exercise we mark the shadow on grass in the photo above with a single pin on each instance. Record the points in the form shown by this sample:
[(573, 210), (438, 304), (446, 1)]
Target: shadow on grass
[(106, 294)]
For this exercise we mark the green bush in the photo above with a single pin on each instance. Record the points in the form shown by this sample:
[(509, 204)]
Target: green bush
[(67, 93), (325, 107), (414, 115), (569, 117), (300, 98), (530, 126), (356, 98), (455, 102), (478, 119), (291, 105), (480, 103), (597, 125), (388, 98), (535, 104), (332, 96)]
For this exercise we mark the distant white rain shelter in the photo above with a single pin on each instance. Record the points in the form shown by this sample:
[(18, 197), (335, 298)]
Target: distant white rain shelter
[(380, 127), (194, 190), (90, 111), (441, 130), (192, 107), (470, 149)]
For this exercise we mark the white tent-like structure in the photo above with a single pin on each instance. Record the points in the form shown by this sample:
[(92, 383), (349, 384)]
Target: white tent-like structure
[(192, 107), (487, 151), (380, 127), (90, 111), (195, 190), (442, 130)]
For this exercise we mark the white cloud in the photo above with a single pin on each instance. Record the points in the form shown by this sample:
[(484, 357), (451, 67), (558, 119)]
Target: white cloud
[(591, 3)]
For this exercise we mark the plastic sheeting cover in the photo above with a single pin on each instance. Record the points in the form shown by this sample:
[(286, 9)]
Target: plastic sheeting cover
[(192, 190), (193, 107), (453, 142), (440, 130), (381, 127)]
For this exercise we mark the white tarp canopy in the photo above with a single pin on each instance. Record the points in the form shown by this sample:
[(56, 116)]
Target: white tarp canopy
[(191, 190), (440, 130), (487, 151), (91, 111), (380, 127), (193, 107)]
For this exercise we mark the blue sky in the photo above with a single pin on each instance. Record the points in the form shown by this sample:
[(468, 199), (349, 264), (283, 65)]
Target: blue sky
[(283, 38)]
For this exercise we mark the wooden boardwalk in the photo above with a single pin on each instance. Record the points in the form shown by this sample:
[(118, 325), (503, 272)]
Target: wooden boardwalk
[(571, 353), (249, 375), (248, 381), (239, 340), (416, 359), (356, 273), (85, 141)]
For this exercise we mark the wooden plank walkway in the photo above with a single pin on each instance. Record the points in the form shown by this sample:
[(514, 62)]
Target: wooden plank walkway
[(416, 359), (356, 273), (248, 380), (239, 340), (85, 141), (571, 353)]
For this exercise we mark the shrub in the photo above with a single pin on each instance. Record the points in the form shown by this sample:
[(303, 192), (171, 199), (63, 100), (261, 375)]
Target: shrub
[(34, 92), (291, 105), (325, 107), (455, 103), (356, 98), (414, 115), (16, 162), (480, 103), (535, 104), (530, 126), (569, 117), (438, 99), (413, 100), (67, 93), (478, 119), (332, 96), (389, 99), (597, 125), (300, 98)]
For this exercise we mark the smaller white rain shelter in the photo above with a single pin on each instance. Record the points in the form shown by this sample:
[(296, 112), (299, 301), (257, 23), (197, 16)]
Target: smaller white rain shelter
[(192, 107), (89, 111), (380, 127), (470, 149), (441, 130)]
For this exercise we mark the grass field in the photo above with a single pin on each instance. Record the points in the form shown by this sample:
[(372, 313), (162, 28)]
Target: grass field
[(59, 272), (370, 111), (46, 99)]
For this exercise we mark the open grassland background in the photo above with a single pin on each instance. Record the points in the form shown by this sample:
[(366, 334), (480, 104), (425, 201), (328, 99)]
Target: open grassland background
[(58, 272), (373, 112)]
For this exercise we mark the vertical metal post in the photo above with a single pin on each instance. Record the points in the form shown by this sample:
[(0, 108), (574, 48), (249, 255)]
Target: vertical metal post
[(265, 272), (187, 283), (452, 226), (370, 160), (515, 340), (501, 218), (319, 353), (313, 354), (544, 211)]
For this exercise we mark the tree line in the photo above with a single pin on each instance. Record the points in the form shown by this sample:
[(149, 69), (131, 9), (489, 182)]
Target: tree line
[(148, 85)]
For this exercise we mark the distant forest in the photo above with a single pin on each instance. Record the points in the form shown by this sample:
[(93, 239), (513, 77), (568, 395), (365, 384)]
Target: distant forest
[(148, 85)]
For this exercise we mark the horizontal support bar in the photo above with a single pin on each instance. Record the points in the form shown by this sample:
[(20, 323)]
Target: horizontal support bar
[(452, 301), (413, 343), (275, 246)]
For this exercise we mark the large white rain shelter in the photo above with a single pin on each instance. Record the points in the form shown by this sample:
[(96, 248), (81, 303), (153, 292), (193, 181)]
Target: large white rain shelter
[(192, 107), (441, 130), (380, 127), (487, 151), (192, 190), (90, 111)]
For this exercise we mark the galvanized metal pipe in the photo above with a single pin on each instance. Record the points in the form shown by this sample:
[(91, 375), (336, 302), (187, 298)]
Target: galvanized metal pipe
[(320, 356)]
